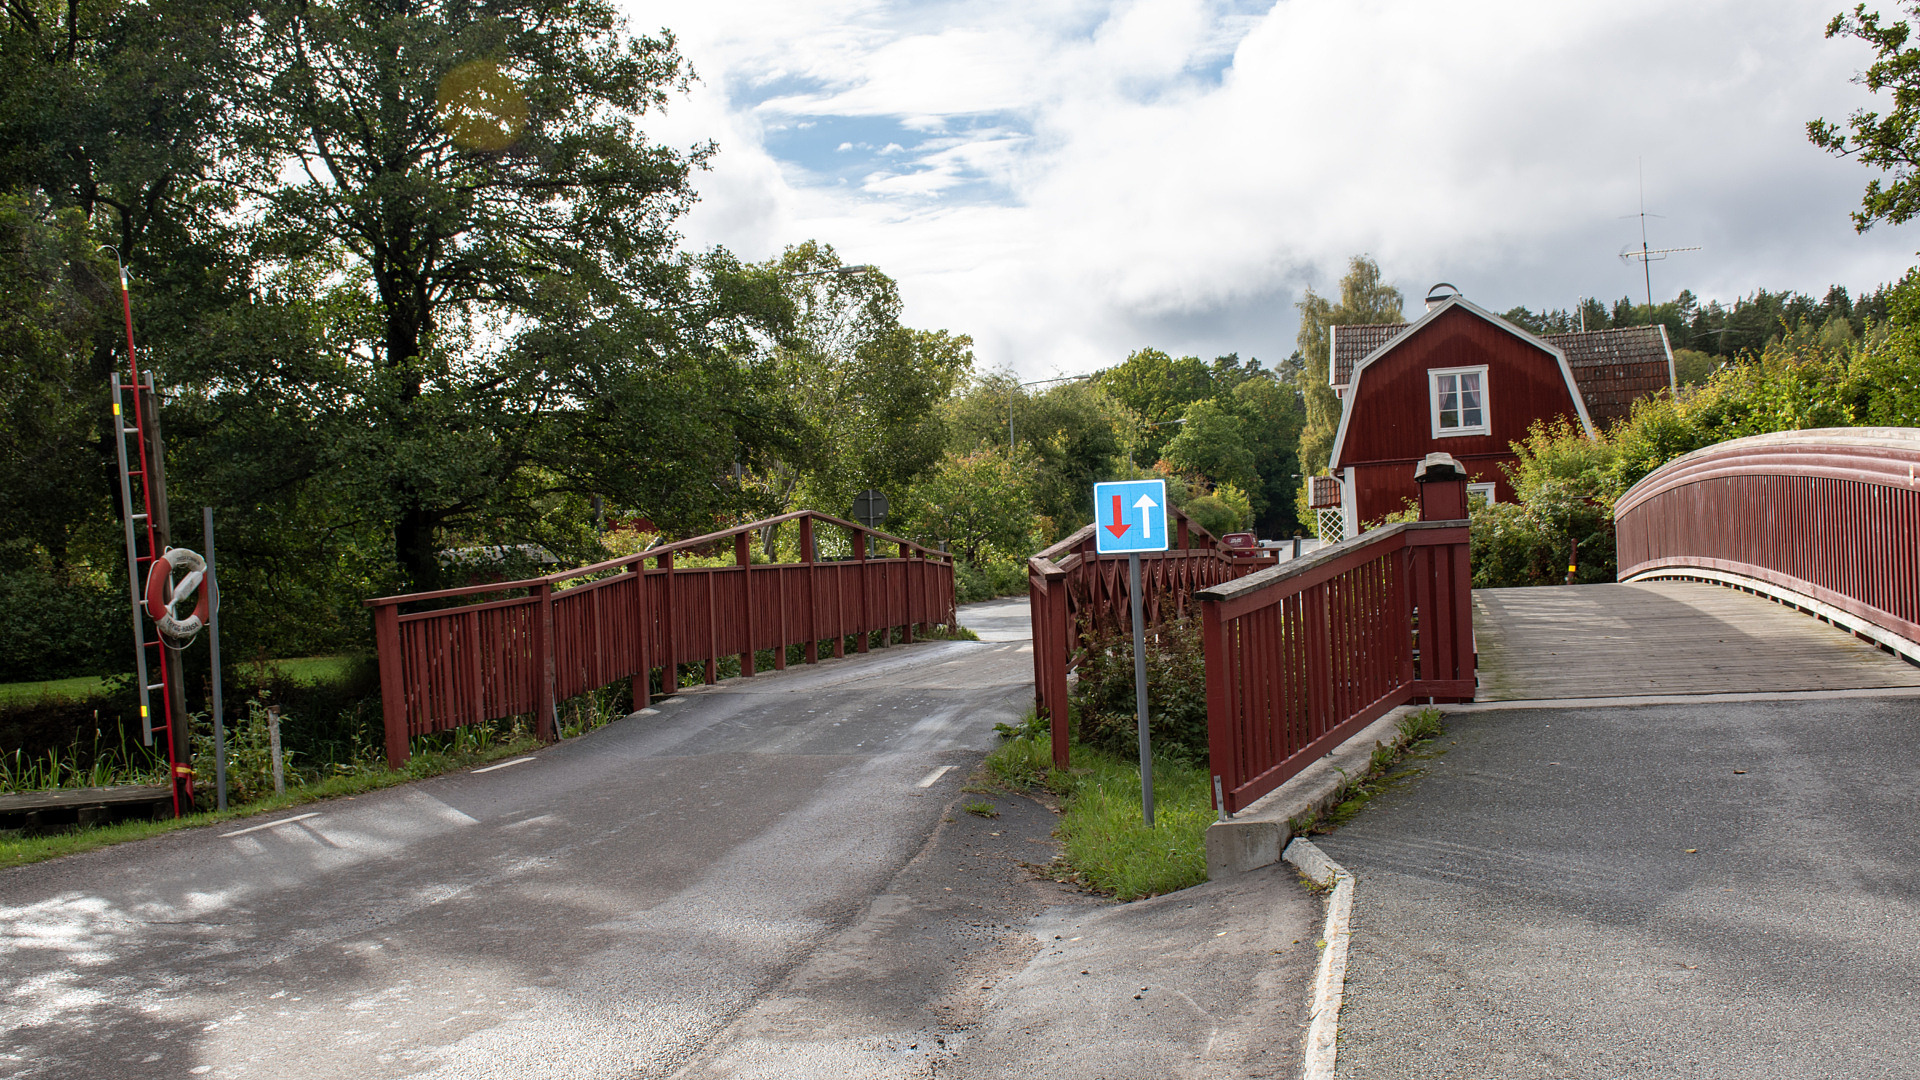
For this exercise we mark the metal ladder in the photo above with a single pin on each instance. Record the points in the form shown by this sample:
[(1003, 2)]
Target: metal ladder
[(137, 467)]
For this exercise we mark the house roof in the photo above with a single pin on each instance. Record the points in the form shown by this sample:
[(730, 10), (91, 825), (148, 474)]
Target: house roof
[(1351, 344), (1394, 333), (1613, 368)]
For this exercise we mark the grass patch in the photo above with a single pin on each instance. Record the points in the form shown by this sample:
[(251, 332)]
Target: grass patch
[(1108, 848), (312, 669), (945, 632), (78, 687), (304, 669), (982, 808), (18, 850)]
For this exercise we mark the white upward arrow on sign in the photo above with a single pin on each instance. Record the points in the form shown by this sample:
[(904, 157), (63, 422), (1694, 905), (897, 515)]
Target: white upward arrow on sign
[(1146, 506)]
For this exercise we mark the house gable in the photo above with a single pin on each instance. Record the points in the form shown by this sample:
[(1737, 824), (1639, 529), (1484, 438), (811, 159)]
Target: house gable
[(1387, 416)]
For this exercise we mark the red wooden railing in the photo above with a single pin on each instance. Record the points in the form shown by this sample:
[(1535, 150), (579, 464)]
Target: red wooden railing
[(1075, 592), (541, 642), (1827, 520), (1302, 656)]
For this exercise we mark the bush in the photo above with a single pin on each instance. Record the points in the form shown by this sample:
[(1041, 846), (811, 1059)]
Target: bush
[(58, 631), (994, 577), (1103, 696)]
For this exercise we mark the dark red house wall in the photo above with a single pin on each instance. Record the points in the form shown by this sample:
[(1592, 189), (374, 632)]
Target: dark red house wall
[(1383, 488), (1389, 425)]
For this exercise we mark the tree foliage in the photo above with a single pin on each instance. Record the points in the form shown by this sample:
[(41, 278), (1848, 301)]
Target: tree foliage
[(860, 390), (1364, 298), (1887, 142), (978, 502)]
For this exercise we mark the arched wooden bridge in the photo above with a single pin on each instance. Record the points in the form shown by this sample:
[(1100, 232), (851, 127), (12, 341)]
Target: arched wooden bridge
[(1738, 563)]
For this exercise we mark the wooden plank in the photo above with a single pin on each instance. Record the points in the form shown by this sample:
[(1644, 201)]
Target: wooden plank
[(67, 798), (1663, 638)]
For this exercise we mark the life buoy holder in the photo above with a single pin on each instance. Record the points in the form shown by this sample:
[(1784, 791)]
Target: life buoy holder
[(164, 595)]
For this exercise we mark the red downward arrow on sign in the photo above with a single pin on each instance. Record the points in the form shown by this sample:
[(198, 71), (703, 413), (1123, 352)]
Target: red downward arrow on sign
[(1117, 528)]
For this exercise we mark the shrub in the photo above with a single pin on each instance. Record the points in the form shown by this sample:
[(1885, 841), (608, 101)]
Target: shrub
[(1103, 696), (57, 631)]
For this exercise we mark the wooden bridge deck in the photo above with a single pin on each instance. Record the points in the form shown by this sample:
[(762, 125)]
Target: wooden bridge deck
[(1663, 638)]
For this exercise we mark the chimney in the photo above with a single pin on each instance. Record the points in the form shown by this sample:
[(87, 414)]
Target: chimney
[(1441, 293)]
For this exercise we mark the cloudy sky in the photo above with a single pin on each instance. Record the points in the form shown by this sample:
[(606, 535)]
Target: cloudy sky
[(1068, 181)]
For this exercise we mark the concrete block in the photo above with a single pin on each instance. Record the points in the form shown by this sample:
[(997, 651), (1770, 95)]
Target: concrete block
[(1235, 847), (1257, 835)]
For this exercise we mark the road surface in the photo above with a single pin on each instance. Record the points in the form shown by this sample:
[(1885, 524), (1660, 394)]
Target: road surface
[(771, 877)]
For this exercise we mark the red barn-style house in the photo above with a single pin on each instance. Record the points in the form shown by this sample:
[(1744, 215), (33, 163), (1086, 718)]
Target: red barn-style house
[(1466, 382)]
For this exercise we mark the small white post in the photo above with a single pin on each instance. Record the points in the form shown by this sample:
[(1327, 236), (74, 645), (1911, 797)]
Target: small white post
[(273, 744)]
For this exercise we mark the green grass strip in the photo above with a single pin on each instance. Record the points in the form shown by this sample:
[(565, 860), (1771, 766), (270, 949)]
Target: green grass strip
[(1108, 847), (21, 850)]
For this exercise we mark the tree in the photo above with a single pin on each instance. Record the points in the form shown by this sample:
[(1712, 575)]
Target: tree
[(977, 502), (109, 122), (1364, 299), (1885, 142), (1074, 433), (506, 319), (1157, 389), (1275, 414), (862, 390), (1214, 442)]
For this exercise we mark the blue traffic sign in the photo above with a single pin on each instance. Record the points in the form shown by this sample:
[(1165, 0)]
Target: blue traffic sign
[(1130, 515)]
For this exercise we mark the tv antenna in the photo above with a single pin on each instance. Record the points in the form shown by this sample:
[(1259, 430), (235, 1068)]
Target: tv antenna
[(1646, 255)]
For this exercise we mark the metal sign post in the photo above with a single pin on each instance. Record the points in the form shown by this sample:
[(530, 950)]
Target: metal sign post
[(213, 649), (1131, 517), (870, 508)]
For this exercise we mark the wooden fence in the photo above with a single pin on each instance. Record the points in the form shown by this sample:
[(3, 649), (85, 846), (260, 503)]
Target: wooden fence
[(1074, 593), (1827, 520), (1300, 657), (521, 647)]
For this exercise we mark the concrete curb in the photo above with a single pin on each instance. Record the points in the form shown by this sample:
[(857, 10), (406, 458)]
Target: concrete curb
[(1330, 983), (1255, 837)]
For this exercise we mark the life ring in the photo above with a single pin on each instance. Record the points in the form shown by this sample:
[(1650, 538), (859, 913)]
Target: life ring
[(164, 595)]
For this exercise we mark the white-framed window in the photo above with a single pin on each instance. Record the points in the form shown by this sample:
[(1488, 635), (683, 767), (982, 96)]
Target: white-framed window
[(1485, 493), (1459, 400)]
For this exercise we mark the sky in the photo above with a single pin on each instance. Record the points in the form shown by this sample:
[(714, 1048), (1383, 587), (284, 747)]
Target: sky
[(1068, 181)]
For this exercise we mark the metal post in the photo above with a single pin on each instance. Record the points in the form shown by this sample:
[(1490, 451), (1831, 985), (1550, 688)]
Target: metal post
[(213, 654), (1140, 690)]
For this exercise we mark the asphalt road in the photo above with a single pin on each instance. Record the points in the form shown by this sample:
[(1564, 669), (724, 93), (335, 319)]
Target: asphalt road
[(601, 910), (1699, 890), (773, 877)]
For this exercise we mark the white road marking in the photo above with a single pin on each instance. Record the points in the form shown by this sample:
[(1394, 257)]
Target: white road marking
[(271, 824), (933, 777), (502, 765)]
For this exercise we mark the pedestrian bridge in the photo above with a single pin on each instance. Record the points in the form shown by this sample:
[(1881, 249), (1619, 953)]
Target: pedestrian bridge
[(1770, 564)]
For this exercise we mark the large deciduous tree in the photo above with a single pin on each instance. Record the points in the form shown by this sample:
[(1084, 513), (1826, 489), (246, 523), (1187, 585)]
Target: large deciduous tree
[(1891, 141), (862, 389), (507, 319)]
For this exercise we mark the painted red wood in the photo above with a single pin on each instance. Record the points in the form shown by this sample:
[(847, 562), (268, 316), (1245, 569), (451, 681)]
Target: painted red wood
[(1389, 426), (1075, 592), (1302, 656), (526, 645), (1832, 514)]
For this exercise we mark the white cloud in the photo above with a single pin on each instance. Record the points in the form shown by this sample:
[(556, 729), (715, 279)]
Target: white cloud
[(1068, 181)]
